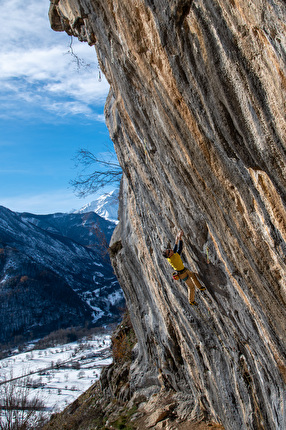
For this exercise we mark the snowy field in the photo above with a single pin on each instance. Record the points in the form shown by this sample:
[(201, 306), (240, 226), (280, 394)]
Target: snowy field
[(58, 375)]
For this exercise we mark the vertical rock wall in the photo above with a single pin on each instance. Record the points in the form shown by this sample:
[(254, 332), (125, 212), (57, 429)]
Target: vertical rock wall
[(197, 113)]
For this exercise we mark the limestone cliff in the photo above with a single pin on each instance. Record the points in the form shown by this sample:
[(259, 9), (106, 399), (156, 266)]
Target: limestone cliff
[(196, 111)]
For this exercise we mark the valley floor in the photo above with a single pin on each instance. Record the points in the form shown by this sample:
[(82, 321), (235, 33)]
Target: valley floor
[(58, 375)]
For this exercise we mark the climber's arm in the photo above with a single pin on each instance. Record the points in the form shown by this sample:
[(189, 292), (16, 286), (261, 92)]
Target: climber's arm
[(179, 243), (180, 247)]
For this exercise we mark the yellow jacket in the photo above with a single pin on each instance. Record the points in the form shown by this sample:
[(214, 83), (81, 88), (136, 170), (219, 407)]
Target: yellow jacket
[(176, 262)]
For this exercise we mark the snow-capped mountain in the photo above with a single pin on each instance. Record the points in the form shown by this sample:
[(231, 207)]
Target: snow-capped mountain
[(55, 272), (106, 206)]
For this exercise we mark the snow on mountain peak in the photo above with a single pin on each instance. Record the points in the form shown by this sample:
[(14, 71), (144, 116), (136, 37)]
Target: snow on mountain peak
[(105, 206)]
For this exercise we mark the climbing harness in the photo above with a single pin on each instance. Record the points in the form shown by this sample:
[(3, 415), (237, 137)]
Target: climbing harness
[(180, 275)]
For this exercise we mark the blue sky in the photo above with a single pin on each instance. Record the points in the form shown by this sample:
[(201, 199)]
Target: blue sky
[(49, 109)]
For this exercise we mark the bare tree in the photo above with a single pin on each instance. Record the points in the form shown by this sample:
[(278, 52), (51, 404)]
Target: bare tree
[(101, 173), (18, 409), (80, 62)]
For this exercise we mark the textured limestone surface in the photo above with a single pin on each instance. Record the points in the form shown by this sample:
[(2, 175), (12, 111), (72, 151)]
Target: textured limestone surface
[(196, 111)]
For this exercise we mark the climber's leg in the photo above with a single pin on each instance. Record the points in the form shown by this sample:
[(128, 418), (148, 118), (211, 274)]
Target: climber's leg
[(195, 280), (191, 289)]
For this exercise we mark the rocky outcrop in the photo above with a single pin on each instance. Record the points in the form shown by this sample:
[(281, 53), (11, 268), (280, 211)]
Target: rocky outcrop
[(197, 113), (105, 405)]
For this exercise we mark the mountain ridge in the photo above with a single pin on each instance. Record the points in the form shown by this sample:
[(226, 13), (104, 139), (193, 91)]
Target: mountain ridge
[(55, 253)]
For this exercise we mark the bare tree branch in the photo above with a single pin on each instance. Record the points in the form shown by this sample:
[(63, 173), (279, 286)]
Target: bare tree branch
[(104, 173), (80, 62)]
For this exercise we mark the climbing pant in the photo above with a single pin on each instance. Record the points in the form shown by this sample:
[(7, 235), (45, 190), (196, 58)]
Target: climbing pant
[(190, 278)]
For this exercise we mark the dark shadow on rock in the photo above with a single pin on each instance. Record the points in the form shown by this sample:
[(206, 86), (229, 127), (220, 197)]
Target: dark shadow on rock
[(213, 277)]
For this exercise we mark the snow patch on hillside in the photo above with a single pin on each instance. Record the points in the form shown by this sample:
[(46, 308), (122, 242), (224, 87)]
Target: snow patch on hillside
[(59, 375)]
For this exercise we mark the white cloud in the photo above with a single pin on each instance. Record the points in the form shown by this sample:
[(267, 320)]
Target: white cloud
[(73, 108), (62, 108), (83, 86), (35, 65), (27, 18)]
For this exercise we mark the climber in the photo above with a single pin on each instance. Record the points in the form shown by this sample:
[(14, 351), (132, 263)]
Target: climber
[(174, 258)]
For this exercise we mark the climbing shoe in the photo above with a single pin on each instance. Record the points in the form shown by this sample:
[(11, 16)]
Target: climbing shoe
[(193, 303), (202, 288)]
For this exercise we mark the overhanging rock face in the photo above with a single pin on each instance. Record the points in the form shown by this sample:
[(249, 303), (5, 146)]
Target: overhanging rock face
[(197, 113)]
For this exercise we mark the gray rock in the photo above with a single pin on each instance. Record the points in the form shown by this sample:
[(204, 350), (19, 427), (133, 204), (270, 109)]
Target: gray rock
[(197, 113)]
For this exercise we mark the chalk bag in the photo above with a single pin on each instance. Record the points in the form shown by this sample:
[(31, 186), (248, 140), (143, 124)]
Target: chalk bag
[(175, 276)]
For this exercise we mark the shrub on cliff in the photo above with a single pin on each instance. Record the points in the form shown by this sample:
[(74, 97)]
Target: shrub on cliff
[(123, 341)]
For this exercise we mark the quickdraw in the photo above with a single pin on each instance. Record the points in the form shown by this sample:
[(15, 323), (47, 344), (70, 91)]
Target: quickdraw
[(208, 259)]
